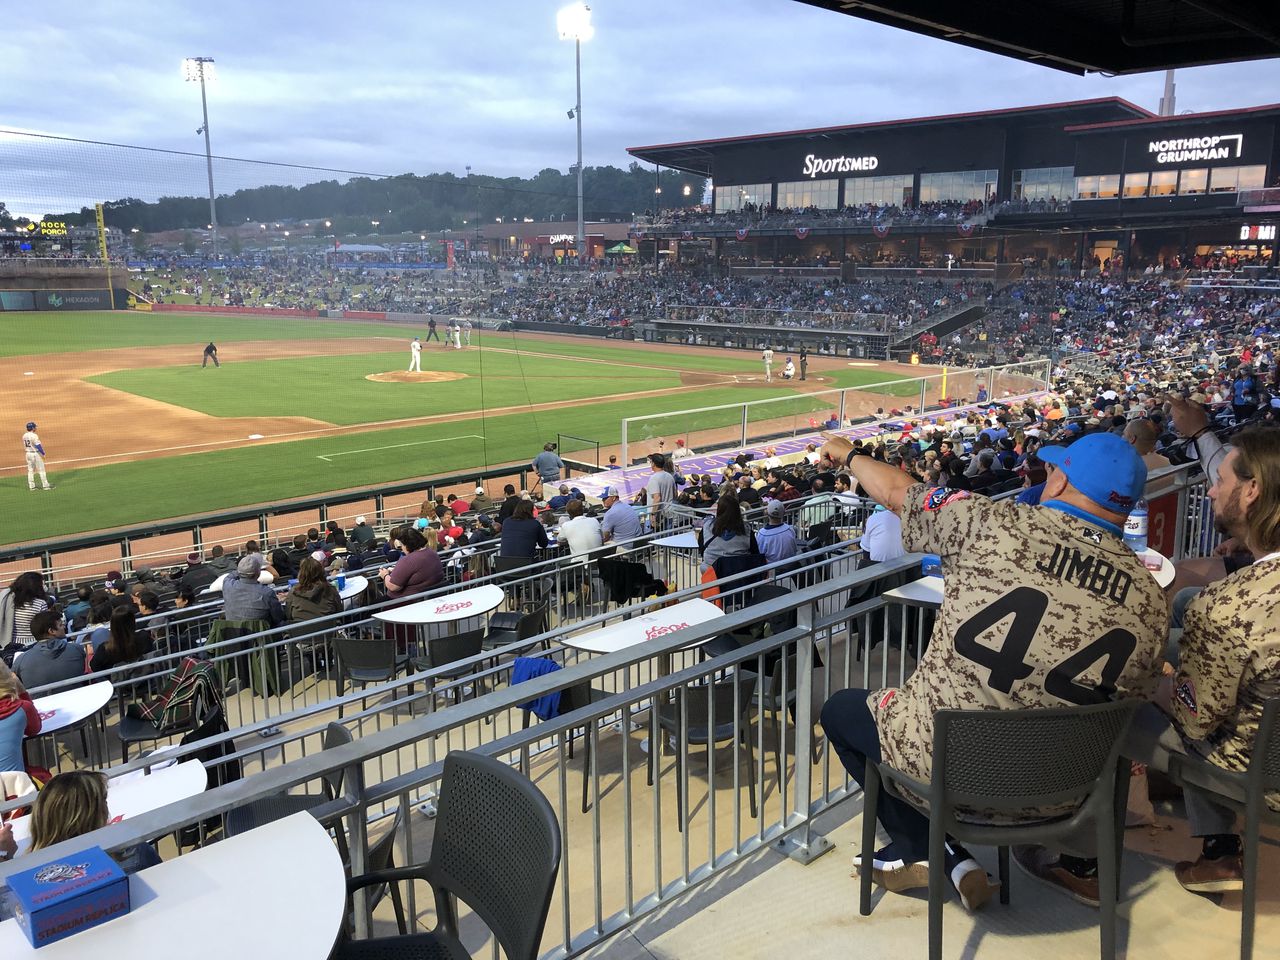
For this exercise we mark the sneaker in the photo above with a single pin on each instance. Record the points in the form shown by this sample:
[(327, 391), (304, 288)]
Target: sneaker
[(890, 871), (973, 884), (1224, 875), (49, 487), (1043, 865)]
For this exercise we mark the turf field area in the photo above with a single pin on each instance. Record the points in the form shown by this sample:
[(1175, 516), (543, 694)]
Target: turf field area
[(136, 430)]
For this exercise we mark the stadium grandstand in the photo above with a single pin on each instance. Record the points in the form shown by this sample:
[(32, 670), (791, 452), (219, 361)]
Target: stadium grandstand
[(912, 495)]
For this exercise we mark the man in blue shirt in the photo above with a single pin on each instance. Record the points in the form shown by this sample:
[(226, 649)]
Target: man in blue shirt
[(548, 465), (777, 538), (620, 521), (244, 598)]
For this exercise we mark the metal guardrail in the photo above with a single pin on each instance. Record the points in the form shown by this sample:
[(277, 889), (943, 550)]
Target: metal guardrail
[(631, 853), (203, 527)]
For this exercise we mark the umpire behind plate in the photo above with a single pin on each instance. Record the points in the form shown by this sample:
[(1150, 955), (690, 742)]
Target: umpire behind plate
[(1042, 606)]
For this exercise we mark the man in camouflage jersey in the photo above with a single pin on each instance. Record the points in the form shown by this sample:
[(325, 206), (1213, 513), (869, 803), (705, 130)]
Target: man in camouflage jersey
[(1042, 607), (1229, 661)]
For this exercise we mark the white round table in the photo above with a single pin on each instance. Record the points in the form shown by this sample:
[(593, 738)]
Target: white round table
[(277, 891), (679, 541), (446, 608), (61, 710), (355, 586), (647, 626), (138, 792)]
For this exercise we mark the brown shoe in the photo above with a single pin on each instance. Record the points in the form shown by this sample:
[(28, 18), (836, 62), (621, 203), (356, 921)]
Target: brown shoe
[(1224, 875), (1043, 865)]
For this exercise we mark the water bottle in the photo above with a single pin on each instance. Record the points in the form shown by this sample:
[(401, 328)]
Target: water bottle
[(1135, 528)]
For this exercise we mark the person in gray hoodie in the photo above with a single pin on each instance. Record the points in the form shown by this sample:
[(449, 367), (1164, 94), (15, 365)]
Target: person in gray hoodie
[(51, 658)]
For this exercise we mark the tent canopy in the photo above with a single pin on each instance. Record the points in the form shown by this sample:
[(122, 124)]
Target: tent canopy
[(621, 248)]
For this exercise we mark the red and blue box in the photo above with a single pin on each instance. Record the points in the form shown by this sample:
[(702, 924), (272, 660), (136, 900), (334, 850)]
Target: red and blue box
[(56, 900)]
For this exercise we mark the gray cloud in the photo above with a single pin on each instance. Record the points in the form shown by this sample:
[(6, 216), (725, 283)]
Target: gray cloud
[(425, 87)]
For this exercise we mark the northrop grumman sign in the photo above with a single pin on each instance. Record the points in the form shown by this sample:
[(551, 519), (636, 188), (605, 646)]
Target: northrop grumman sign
[(815, 165), (1225, 146)]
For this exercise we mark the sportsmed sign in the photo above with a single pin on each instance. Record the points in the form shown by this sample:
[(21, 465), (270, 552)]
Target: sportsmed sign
[(815, 165), (1198, 148)]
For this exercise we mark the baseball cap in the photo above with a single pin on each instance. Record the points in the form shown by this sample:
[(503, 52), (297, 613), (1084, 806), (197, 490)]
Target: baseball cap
[(360, 519), (249, 566), (610, 492), (479, 489), (1102, 466), (776, 508)]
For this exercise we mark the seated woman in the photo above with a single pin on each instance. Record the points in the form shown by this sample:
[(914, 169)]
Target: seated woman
[(725, 534), (19, 719), (418, 569), (312, 596), (73, 804), (125, 644), (522, 533)]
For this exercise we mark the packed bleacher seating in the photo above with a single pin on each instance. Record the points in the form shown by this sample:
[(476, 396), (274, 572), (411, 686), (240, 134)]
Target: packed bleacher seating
[(743, 589)]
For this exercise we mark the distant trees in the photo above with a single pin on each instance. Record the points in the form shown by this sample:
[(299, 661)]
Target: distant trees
[(412, 203)]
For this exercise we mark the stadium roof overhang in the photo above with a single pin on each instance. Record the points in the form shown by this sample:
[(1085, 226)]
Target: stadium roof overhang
[(698, 156), (1089, 36)]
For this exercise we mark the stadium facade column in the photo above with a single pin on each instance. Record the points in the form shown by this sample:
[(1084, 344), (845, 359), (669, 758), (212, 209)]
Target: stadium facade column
[(1080, 252), (917, 253)]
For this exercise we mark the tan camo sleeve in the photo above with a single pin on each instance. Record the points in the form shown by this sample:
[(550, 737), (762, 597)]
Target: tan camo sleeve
[(938, 520), (1213, 659)]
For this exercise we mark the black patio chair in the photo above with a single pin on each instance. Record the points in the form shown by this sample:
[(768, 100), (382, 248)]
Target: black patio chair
[(1010, 762), (1247, 794), (496, 848)]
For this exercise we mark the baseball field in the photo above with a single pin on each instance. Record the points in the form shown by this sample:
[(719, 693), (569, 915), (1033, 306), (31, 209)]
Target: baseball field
[(135, 429)]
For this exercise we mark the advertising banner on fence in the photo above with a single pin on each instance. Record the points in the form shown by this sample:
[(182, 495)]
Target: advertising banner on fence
[(17, 300), (72, 299)]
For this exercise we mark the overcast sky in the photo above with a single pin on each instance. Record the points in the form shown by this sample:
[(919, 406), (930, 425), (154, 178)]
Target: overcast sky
[(394, 87)]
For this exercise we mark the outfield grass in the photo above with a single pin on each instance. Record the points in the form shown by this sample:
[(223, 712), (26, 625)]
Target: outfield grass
[(514, 370), (130, 493), (334, 389)]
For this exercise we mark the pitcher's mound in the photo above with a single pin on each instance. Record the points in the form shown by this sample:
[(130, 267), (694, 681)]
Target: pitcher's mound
[(406, 376)]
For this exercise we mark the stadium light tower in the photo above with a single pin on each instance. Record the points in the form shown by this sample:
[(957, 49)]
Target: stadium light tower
[(574, 23), (193, 69)]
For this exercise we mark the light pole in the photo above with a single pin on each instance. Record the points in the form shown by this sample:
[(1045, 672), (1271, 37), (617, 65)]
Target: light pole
[(574, 23), (194, 68)]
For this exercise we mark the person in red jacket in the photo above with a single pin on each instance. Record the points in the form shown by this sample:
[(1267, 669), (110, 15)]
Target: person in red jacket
[(19, 719)]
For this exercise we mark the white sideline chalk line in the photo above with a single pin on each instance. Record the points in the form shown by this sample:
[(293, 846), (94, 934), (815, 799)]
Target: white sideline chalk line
[(328, 458)]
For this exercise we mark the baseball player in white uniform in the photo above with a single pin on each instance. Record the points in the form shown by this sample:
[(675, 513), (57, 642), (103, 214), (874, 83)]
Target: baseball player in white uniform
[(34, 450), (466, 331), (457, 335), (415, 356), (767, 357)]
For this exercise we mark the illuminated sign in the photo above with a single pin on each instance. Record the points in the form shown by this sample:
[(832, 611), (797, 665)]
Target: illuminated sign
[(561, 238), (815, 165), (1198, 148), (48, 228), (1264, 231)]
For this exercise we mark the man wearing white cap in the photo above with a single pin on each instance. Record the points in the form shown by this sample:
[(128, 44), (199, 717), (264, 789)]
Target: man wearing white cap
[(620, 521), (362, 534)]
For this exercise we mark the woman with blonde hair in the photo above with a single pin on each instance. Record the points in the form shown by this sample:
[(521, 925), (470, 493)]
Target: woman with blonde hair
[(19, 719), (75, 803)]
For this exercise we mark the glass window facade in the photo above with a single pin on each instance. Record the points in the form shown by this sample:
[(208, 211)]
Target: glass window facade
[(735, 196), (1231, 179), (1104, 186), (961, 185), (1164, 183), (1043, 183), (881, 191), (799, 194), (1193, 181), (1135, 184)]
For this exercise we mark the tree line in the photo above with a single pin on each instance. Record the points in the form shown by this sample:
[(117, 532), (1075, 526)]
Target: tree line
[(409, 202)]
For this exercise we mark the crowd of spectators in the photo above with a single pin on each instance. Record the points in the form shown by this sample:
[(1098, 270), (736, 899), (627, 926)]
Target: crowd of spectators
[(764, 216)]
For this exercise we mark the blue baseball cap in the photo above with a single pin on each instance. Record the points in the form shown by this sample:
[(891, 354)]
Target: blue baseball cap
[(1102, 466)]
